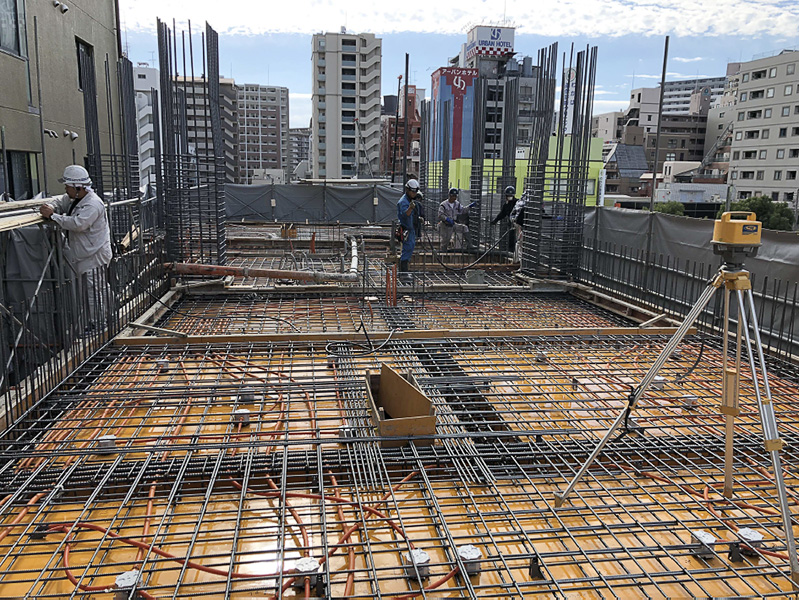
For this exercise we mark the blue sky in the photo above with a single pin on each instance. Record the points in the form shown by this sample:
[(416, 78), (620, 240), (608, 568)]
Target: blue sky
[(273, 45)]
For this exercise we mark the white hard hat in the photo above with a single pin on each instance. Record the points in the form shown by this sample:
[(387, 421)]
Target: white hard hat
[(412, 184), (76, 176)]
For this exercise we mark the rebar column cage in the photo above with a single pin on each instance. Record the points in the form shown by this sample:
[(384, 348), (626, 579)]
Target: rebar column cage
[(556, 184), (192, 158)]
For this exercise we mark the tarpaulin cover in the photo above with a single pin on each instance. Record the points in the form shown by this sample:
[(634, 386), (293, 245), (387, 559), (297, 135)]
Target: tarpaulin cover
[(294, 203)]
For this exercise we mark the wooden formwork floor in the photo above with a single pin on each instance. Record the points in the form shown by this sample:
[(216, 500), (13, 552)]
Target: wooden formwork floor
[(204, 502)]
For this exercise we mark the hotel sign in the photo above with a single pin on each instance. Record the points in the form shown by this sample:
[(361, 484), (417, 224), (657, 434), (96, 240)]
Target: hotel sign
[(490, 41)]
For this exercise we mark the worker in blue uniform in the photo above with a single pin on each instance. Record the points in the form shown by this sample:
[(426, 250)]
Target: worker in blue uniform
[(408, 211)]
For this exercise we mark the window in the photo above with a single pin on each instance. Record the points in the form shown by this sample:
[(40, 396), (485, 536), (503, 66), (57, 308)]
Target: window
[(721, 126), (649, 117), (141, 76), (752, 134), (762, 154), (775, 196), (795, 131), (793, 153), (12, 27), (789, 89), (754, 114), (747, 174), (790, 69), (772, 72), (796, 109), (769, 92), (742, 97), (790, 175), (789, 196), (745, 77), (738, 135), (671, 156), (781, 153), (783, 132), (777, 175), (749, 154), (758, 94), (759, 175), (735, 174), (736, 155), (758, 74), (786, 111), (767, 113), (721, 115), (764, 134), (741, 115)]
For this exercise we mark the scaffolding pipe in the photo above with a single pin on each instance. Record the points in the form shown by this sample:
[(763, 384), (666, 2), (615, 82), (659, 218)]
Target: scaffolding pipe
[(316, 276)]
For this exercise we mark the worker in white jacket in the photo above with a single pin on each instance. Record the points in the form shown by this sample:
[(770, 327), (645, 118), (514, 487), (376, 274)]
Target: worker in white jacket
[(81, 214)]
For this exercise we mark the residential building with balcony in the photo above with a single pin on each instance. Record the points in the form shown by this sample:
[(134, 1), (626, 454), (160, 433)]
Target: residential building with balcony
[(345, 105), (765, 142)]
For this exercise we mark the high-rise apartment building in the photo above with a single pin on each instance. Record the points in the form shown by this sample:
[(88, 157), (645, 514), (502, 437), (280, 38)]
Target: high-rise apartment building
[(346, 105), (765, 146), (147, 83), (263, 125)]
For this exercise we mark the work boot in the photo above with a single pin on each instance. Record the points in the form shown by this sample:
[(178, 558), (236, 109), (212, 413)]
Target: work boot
[(404, 276)]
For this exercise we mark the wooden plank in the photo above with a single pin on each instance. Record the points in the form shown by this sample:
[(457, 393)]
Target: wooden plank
[(9, 223)]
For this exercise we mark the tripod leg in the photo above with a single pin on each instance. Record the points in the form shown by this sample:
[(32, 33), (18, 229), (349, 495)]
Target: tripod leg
[(729, 393), (768, 421), (693, 314)]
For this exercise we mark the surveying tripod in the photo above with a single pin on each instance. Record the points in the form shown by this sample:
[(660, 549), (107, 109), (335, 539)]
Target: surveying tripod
[(734, 240)]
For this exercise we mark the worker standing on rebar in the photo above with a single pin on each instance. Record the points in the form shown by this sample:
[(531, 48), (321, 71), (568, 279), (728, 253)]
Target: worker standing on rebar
[(450, 214), (407, 212), (81, 214), (517, 222), (504, 213)]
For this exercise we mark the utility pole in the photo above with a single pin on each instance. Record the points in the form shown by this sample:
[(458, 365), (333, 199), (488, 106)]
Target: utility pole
[(405, 120), (396, 132)]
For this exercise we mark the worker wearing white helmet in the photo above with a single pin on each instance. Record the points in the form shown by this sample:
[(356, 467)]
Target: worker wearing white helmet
[(82, 216), (408, 211)]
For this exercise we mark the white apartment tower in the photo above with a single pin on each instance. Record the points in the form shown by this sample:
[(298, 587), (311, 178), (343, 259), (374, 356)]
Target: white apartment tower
[(346, 105), (146, 80), (263, 113)]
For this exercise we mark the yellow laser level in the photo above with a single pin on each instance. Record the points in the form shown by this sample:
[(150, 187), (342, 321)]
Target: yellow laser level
[(736, 235), (741, 232)]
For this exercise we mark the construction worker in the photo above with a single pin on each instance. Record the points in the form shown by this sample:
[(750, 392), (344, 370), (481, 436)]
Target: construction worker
[(507, 208), (450, 215), (81, 214), (408, 211)]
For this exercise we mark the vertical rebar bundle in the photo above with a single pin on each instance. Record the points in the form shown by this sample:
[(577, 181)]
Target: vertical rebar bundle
[(192, 156), (556, 185)]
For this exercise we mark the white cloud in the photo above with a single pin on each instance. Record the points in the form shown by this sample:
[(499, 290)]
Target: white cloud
[(680, 59), (546, 17)]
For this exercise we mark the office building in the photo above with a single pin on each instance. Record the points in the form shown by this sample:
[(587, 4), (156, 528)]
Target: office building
[(70, 120)]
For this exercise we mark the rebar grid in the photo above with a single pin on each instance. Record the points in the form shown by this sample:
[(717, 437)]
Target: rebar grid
[(279, 313), (205, 504)]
